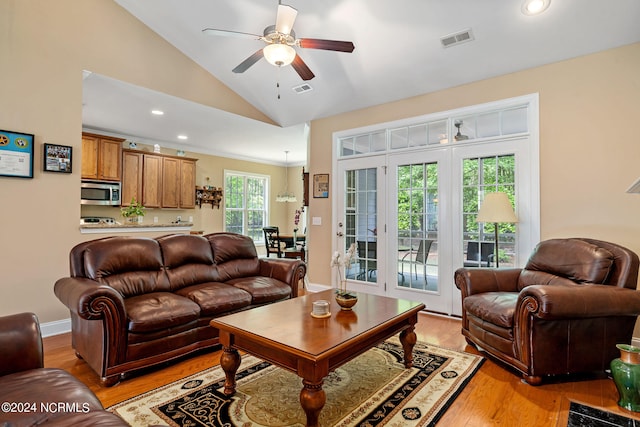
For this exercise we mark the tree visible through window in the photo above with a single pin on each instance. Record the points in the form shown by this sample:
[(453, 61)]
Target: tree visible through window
[(487, 175), (246, 204)]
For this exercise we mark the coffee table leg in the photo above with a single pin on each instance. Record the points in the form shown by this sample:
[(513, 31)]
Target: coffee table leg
[(408, 339), (312, 400), (230, 362)]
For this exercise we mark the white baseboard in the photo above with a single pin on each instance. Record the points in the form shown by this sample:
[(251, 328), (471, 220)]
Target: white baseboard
[(314, 287), (56, 327)]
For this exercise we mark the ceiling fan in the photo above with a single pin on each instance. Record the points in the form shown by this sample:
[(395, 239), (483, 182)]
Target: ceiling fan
[(280, 39)]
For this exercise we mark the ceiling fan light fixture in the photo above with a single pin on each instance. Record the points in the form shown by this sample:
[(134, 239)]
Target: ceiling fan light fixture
[(279, 54), (535, 7)]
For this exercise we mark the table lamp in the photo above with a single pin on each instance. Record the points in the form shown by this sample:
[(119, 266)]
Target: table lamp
[(496, 208)]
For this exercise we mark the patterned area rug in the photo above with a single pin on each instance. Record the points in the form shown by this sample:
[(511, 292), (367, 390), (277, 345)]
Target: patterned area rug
[(373, 389)]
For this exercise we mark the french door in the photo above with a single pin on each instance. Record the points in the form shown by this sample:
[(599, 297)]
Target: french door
[(408, 193)]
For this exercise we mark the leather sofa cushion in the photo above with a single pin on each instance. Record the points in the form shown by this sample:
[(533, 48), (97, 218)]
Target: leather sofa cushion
[(573, 259), (130, 265), (159, 310), (181, 249), (216, 298), (494, 307), (262, 289), (230, 246)]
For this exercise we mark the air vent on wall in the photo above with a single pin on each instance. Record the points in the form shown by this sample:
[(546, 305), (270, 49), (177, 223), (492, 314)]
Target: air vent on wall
[(457, 38), (305, 87)]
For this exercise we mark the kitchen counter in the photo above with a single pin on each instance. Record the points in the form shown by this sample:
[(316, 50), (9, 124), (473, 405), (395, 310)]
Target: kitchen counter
[(134, 228)]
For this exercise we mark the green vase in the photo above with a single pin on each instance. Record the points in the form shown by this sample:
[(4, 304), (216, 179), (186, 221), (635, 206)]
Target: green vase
[(626, 376)]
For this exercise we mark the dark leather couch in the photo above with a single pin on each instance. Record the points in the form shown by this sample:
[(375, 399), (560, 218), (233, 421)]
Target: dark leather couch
[(563, 313), (137, 302), (33, 395)]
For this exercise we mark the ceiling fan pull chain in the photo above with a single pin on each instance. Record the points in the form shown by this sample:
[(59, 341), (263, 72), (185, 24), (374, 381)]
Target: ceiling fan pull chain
[(278, 83)]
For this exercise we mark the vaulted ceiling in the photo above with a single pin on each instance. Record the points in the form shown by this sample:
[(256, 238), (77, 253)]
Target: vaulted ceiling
[(398, 51)]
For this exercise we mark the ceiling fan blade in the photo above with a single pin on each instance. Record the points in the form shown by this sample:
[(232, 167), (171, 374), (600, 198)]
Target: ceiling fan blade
[(244, 65), (285, 18), (302, 69), (227, 33), (340, 46)]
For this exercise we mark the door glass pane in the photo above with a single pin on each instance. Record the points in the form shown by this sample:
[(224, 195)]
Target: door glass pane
[(417, 215), (481, 176), (361, 216)]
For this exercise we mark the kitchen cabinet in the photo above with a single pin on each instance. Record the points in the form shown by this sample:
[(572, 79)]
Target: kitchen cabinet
[(178, 183), (131, 177), (159, 181), (152, 181), (101, 157)]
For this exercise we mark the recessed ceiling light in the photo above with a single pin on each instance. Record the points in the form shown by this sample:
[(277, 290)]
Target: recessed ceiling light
[(157, 112), (535, 7), (183, 137)]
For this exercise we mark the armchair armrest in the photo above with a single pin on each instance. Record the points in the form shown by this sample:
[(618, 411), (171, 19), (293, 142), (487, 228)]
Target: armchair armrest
[(90, 300), (578, 301), (479, 280), (20, 343), (289, 271)]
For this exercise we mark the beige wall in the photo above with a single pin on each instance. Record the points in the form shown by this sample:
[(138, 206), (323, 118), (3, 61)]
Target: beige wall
[(589, 148), (45, 45)]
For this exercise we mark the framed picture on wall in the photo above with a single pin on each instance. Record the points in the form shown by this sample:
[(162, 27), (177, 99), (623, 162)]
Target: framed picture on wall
[(16, 154), (57, 158), (321, 186)]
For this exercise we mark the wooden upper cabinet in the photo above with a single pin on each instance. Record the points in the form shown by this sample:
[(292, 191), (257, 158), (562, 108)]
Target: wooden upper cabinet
[(152, 181), (187, 183), (170, 183), (101, 157), (131, 177), (178, 183), (157, 180), (90, 157)]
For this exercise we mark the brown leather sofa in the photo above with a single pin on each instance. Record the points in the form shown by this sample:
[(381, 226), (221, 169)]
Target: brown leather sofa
[(137, 302), (33, 395), (563, 313)]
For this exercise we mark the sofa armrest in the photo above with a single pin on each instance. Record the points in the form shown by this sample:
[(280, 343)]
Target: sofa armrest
[(20, 343), (578, 301), (289, 271), (479, 280), (90, 300)]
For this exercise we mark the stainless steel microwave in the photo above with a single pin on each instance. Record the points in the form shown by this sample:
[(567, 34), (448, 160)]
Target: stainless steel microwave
[(100, 193)]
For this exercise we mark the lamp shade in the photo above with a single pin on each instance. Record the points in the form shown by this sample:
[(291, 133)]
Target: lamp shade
[(279, 54), (496, 208)]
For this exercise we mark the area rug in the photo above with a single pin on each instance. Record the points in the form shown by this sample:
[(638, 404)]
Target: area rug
[(373, 389)]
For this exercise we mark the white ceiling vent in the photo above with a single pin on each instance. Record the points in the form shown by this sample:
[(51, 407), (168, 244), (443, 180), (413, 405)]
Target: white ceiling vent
[(305, 87), (457, 38)]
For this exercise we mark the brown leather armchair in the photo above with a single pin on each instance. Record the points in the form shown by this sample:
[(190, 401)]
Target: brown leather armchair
[(34, 395), (563, 313)]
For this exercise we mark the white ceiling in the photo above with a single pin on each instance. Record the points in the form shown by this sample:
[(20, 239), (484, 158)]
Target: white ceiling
[(397, 55)]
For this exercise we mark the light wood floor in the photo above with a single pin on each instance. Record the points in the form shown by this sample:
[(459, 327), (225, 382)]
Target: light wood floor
[(495, 396)]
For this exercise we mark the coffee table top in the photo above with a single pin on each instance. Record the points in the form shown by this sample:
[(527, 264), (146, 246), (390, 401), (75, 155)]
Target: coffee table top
[(290, 324)]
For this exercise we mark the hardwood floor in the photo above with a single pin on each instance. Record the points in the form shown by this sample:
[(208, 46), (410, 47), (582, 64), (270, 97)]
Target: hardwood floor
[(495, 396)]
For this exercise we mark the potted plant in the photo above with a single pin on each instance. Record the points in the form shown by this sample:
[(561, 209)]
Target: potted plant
[(344, 298), (134, 212)]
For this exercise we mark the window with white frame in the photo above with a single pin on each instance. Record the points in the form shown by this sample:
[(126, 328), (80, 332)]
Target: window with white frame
[(246, 204)]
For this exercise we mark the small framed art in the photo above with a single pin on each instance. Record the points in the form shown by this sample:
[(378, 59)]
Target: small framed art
[(57, 158), (321, 186), (16, 154)]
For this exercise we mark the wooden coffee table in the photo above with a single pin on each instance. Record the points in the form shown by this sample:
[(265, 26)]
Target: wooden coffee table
[(286, 335)]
